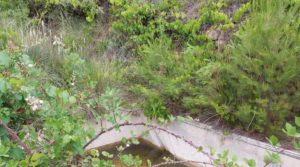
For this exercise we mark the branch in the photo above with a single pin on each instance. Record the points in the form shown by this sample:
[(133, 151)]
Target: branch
[(151, 126), (181, 162), (13, 135), (278, 152)]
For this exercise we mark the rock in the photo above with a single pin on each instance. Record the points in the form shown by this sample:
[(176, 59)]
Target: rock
[(213, 34)]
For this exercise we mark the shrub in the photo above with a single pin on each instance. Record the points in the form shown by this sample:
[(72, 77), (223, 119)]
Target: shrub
[(39, 112), (259, 86), (167, 79), (253, 83)]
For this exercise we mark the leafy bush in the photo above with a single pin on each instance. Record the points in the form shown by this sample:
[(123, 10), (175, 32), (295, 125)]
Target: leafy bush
[(39, 112)]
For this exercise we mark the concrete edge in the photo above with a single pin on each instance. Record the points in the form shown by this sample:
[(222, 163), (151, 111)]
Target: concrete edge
[(253, 142)]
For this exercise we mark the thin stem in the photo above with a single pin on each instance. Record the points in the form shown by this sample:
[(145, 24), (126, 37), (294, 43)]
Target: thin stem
[(151, 126), (13, 135), (181, 162)]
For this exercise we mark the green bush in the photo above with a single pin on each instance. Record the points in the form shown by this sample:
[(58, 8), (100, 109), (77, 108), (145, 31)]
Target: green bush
[(168, 79), (39, 112), (253, 83)]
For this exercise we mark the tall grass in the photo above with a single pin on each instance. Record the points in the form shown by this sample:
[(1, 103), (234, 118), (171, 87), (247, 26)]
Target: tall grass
[(67, 48)]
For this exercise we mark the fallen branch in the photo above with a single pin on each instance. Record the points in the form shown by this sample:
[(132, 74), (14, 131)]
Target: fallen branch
[(151, 126), (13, 135), (182, 162)]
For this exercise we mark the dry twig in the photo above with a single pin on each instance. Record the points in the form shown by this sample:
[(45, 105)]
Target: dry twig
[(13, 135)]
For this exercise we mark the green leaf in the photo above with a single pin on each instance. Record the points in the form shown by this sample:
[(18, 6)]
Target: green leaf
[(4, 59), (250, 162), (273, 140), (124, 140), (189, 118), (77, 147), (4, 86), (171, 118), (51, 91), (272, 158), (212, 151), (26, 59), (297, 121), (36, 159), (290, 130), (17, 153), (180, 118), (4, 151), (5, 115), (65, 96), (12, 163), (72, 100), (296, 145), (94, 152), (16, 83), (131, 160), (90, 132), (135, 141), (2, 131), (200, 149), (68, 127), (107, 154), (67, 139)]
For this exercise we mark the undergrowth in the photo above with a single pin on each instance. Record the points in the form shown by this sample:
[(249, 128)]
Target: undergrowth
[(253, 84), (62, 61)]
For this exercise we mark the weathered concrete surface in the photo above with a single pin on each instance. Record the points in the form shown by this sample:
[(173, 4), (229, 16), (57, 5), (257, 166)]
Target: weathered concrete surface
[(199, 134)]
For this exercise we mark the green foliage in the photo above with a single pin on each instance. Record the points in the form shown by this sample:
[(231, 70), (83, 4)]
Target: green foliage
[(107, 154), (141, 21), (111, 103), (90, 8), (293, 131), (48, 83), (167, 78), (265, 60), (12, 14), (250, 162), (239, 13), (131, 160), (47, 126), (224, 158), (17, 9), (4, 59), (45, 116), (272, 158), (274, 140), (259, 86), (255, 83)]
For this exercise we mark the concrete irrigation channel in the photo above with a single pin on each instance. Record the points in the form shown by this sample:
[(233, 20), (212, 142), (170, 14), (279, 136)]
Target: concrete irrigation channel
[(181, 137)]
